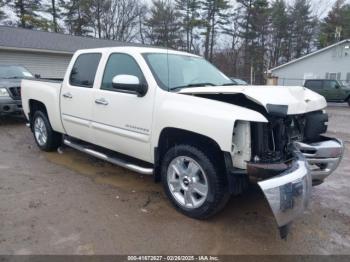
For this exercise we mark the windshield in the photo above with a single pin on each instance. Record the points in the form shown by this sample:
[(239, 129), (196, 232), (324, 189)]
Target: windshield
[(10, 71), (239, 81), (174, 71)]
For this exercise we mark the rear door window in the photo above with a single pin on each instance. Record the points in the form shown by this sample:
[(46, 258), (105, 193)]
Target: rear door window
[(313, 84), (84, 70)]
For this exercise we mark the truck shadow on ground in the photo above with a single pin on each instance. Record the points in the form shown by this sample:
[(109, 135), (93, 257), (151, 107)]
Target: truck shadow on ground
[(12, 120), (244, 209)]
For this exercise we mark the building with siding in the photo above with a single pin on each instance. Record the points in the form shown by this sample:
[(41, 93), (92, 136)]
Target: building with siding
[(43, 53), (332, 62)]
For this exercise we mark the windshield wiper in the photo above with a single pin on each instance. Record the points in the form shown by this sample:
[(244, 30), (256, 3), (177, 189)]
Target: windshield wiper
[(12, 77), (191, 85)]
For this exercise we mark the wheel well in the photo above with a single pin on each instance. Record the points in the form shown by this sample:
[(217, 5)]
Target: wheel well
[(35, 105), (175, 136)]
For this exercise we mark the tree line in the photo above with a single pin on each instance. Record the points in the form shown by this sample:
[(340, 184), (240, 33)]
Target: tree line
[(244, 38)]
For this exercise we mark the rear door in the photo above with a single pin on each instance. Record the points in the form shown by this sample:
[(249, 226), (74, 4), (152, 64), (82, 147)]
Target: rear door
[(316, 86), (77, 97)]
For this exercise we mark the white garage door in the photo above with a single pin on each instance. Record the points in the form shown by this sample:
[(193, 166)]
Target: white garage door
[(46, 65)]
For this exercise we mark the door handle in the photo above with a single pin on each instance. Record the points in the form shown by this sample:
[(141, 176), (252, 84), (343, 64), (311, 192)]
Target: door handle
[(67, 95), (101, 101)]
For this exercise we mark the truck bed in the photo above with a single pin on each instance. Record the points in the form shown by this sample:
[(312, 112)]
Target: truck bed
[(46, 92)]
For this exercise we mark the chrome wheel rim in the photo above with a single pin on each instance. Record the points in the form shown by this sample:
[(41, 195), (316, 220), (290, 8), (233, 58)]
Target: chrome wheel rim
[(40, 131), (187, 182)]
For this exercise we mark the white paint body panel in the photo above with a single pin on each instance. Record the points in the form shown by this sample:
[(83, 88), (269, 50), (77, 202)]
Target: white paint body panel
[(299, 99), (47, 93), (132, 125)]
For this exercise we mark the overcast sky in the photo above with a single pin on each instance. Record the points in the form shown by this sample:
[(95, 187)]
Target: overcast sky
[(320, 7)]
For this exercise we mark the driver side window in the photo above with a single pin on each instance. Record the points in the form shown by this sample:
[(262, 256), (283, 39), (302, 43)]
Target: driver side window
[(330, 84), (120, 64)]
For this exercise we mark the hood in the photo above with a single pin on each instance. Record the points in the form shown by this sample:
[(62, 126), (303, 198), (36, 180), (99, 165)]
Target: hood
[(291, 100), (10, 82)]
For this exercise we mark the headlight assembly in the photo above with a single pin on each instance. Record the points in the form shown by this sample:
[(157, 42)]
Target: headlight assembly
[(3, 92)]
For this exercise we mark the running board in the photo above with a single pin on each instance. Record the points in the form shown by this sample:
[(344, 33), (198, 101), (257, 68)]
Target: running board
[(109, 158)]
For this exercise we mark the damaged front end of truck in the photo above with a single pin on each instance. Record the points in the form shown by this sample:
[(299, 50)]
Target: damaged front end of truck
[(287, 154)]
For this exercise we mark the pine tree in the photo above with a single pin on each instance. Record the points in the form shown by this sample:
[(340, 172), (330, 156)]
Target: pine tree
[(3, 16), (278, 32), (303, 28), (261, 29), (190, 19), (97, 10), (253, 23), (214, 16), (163, 24), (53, 8), (27, 13), (336, 26), (77, 17)]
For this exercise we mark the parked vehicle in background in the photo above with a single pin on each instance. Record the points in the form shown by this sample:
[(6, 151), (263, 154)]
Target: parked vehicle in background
[(175, 116), (332, 90), (10, 91), (237, 81)]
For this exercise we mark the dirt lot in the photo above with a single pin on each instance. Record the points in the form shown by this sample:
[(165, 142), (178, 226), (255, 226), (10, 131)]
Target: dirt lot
[(70, 203)]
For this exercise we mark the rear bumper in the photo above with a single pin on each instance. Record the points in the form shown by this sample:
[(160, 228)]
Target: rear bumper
[(288, 193), (8, 105)]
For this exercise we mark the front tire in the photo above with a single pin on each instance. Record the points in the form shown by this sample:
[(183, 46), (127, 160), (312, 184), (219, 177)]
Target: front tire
[(192, 182), (45, 137), (348, 101)]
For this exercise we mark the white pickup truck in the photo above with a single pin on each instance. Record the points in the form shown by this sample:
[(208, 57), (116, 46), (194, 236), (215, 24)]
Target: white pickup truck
[(175, 116)]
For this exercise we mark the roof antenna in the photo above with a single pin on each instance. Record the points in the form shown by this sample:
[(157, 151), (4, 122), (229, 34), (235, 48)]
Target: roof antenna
[(167, 59), (167, 51)]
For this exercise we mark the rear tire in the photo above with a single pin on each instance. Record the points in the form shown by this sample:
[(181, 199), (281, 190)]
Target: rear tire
[(45, 137), (192, 182), (348, 101)]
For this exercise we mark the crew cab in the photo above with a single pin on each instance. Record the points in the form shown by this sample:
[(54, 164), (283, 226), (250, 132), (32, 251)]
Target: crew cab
[(175, 116)]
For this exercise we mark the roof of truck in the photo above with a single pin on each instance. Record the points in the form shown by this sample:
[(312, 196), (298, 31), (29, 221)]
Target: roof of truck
[(135, 49)]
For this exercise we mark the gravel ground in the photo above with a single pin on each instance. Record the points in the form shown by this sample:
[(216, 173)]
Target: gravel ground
[(70, 203)]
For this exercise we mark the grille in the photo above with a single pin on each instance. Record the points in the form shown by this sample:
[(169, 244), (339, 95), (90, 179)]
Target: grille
[(15, 92)]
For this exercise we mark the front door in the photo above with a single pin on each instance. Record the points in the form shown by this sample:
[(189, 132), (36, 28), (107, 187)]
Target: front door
[(122, 121), (333, 90), (77, 97)]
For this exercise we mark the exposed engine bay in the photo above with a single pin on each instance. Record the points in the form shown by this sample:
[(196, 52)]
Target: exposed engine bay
[(271, 144), (272, 140)]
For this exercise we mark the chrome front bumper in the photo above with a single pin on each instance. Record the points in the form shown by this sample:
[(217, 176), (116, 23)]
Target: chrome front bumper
[(323, 157), (288, 193)]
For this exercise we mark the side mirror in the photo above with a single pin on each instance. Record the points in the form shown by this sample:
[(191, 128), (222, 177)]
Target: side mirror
[(337, 86), (37, 76), (129, 84)]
